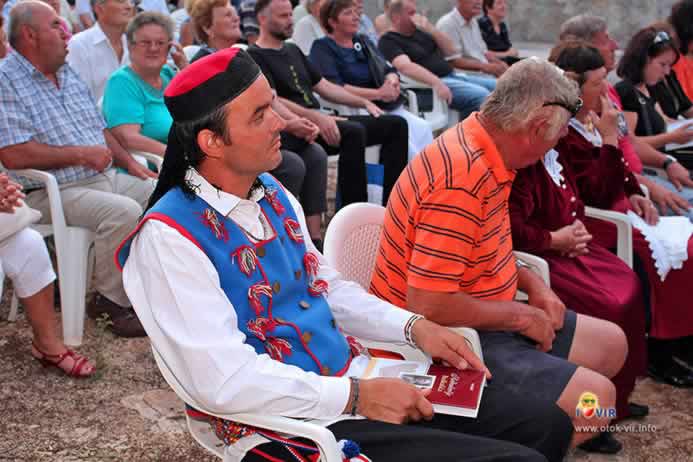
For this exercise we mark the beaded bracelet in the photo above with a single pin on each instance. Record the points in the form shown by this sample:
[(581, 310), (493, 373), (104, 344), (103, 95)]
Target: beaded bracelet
[(355, 394), (408, 327)]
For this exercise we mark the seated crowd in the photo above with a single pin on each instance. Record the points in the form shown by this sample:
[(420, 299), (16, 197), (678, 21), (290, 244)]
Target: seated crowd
[(245, 101)]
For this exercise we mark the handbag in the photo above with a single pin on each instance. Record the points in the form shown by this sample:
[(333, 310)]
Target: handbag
[(12, 223), (377, 67)]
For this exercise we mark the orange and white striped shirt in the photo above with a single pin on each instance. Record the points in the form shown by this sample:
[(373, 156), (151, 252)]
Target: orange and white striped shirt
[(447, 227)]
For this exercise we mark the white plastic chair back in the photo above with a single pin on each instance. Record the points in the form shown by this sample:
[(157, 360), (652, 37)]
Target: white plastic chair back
[(440, 117), (352, 239), (190, 51), (72, 248), (202, 433)]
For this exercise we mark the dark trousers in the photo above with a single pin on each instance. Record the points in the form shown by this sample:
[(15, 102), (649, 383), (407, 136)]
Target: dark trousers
[(358, 132), (303, 171), (512, 428)]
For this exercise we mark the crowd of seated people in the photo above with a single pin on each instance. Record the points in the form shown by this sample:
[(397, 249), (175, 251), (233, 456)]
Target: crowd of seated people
[(85, 87)]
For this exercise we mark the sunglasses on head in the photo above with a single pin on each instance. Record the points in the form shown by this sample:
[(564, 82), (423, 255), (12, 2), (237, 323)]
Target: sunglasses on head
[(661, 37), (572, 109)]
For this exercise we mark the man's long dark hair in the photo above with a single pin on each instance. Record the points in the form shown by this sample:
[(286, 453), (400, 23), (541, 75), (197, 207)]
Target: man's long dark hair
[(183, 152)]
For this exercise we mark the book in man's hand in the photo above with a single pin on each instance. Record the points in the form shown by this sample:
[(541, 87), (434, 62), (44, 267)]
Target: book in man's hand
[(453, 391)]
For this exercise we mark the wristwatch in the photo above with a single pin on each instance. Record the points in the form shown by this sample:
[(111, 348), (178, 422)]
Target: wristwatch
[(669, 160)]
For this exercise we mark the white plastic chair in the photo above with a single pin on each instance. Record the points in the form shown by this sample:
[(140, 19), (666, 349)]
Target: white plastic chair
[(72, 248), (190, 51), (624, 243), (203, 434), (351, 246), (440, 117)]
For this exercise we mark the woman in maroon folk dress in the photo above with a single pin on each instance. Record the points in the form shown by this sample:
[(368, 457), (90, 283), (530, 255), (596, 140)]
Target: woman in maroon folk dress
[(546, 215), (604, 180)]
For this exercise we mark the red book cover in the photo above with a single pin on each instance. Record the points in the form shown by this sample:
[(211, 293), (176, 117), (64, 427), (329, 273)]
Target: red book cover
[(455, 391)]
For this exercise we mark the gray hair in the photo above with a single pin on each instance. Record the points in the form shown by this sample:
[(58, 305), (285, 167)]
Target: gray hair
[(582, 27), (146, 18), (523, 89), (96, 2)]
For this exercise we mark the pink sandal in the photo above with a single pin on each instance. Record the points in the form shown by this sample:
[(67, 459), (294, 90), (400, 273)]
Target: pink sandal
[(79, 362)]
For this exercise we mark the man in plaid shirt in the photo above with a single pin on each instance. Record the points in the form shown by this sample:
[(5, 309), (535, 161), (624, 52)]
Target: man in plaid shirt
[(50, 122)]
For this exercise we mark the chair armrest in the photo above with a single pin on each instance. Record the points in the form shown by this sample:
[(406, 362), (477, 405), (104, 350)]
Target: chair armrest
[(624, 245), (149, 157), (536, 264), (319, 434), (54, 200), (340, 109)]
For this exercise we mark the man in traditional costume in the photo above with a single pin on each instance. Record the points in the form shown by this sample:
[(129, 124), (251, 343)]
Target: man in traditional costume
[(250, 319)]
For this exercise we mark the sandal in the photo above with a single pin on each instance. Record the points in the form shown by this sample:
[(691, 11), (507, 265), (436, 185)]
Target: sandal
[(81, 367)]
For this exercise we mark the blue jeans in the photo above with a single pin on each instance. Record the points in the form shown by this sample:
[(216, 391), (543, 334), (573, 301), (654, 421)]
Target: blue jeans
[(686, 193), (468, 91)]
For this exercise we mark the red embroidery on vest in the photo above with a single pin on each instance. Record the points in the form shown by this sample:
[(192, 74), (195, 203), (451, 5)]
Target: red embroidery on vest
[(254, 293), (356, 348), (277, 348), (311, 263), (293, 229), (317, 287), (210, 219), (260, 327), (271, 196), (247, 259)]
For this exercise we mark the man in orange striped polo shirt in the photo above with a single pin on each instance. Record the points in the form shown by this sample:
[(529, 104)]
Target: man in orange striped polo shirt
[(446, 249)]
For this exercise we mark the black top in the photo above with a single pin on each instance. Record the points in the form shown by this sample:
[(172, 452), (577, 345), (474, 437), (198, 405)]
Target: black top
[(650, 122), (670, 96), (289, 72), (495, 42), (421, 48)]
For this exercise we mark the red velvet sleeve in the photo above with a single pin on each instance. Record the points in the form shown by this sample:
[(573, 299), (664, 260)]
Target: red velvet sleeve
[(600, 172), (528, 236)]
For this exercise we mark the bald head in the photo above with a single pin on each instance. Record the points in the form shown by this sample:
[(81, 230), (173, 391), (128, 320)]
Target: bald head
[(38, 34), (25, 13)]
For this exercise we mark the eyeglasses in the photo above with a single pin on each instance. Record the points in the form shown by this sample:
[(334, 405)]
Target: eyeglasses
[(573, 110), (661, 37), (147, 44)]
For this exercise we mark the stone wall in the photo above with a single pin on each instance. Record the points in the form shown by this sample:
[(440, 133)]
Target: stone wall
[(540, 20)]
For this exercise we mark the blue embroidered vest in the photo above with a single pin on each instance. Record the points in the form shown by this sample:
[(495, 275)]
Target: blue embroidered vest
[(272, 284)]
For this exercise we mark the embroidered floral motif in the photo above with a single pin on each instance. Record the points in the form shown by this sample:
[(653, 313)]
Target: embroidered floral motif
[(229, 431), (311, 264), (271, 196), (254, 293), (356, 348), (317, 287), (293, 229), (247, 259), (277, 348), (260, 327), (211, 220)]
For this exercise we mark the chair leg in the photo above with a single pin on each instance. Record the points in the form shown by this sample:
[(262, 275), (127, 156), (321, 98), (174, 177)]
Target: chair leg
[(14, 307), (72, 268)]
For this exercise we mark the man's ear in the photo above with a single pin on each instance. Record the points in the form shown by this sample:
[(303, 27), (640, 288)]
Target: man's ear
[(539, 127), (210, 144)]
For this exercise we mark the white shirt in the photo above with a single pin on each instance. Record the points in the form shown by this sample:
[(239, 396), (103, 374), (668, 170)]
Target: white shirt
[(160, 6), (466, 35), (176, 293), (307, 31), (94, 59)]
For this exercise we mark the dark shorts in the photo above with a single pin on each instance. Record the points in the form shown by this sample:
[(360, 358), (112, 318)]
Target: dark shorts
[(517, 365)]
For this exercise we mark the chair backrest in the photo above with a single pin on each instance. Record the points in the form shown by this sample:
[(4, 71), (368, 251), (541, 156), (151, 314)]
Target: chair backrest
[(352, 239), (190, 51)]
